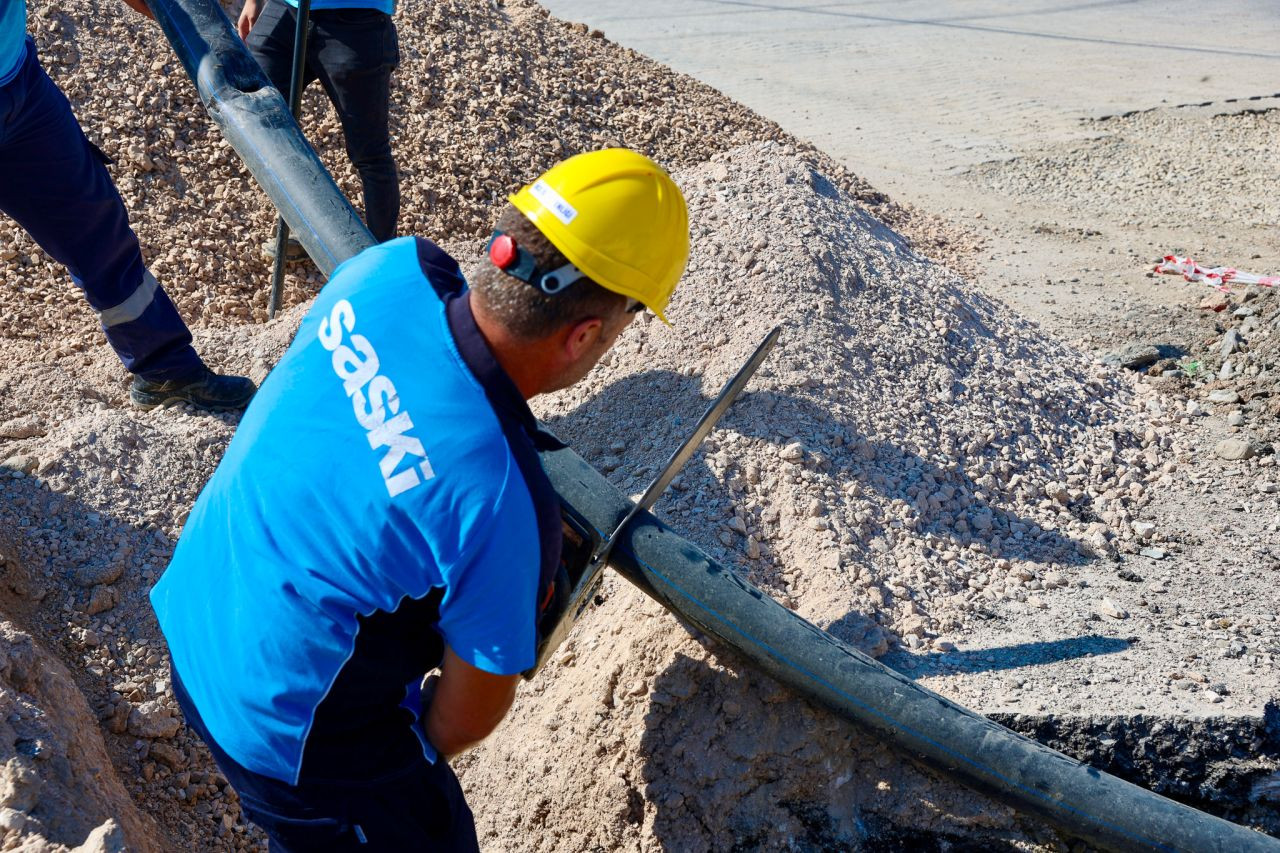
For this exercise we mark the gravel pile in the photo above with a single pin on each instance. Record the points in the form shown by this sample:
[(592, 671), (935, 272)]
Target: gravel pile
[(909, 457), (58, 791), (908, 436), (487, 95)]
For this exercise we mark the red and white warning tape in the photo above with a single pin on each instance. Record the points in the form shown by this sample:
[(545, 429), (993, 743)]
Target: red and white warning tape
[(1220, 278)]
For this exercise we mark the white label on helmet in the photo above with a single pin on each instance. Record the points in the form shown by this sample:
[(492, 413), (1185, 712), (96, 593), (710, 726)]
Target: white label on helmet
[(553, 201)]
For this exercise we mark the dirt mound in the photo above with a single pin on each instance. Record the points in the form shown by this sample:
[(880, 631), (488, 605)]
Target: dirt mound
[(58, 789), (93, 495), (639, 737), (832, 483)]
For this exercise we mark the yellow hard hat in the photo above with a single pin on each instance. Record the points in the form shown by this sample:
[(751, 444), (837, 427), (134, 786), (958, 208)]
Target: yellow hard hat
[(618, 217)]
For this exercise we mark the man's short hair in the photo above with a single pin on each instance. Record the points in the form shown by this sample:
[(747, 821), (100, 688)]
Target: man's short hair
[(522, 308)]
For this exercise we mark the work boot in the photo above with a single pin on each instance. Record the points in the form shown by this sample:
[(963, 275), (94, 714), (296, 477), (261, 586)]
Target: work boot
[(208, 390)]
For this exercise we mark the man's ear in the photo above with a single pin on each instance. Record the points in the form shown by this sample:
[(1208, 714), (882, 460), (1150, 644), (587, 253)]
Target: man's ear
[(581, 337)]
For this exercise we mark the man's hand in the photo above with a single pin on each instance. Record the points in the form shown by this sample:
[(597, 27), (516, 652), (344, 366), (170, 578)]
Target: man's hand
[(140, 7), (467, 705), (248, 16)]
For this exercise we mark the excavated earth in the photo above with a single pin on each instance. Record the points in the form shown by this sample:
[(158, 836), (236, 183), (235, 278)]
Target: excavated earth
[(914, 465)]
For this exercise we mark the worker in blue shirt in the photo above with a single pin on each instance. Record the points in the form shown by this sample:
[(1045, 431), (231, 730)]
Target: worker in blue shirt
[(54, 183), (382, 512), (352, 50)]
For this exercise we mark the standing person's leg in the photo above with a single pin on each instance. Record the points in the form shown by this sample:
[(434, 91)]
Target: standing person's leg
[(54, 183), (355, 51), (271, 44)]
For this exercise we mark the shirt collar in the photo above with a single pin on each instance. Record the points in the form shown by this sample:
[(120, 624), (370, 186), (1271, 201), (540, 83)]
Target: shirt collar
[(503, 395)]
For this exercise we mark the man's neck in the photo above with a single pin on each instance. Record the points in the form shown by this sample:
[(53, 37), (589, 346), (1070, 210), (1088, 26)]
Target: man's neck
[(523, 361)]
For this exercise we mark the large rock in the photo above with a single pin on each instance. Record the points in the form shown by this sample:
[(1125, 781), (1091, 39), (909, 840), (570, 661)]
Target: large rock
[(1230, 343), (102, 599), (24, 426), (153, 720), (107, 838), (1133, 356), (1223, 395), (20, 784), (1234, 449)]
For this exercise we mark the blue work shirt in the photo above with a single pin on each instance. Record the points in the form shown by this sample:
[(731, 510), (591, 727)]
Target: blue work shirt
[(381, 497), (387, 6), (13, 37)]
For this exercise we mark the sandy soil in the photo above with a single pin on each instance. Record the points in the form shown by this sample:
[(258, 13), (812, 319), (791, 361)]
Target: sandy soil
[(920, 469)]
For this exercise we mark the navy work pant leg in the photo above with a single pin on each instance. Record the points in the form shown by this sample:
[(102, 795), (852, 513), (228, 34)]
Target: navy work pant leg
[(352, 52), (420, 807), (53, 182)]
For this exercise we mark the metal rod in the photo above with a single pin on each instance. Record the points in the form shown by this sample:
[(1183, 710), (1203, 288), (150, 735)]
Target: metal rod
[(585, 584), (691, 444), (295, 107)]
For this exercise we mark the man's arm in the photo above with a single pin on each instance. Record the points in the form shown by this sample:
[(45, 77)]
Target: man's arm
[(468, 704), (248, 16)]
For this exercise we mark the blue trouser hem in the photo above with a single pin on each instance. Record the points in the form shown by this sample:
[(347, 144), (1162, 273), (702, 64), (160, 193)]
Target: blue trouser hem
[(156, 358), (54, 183)]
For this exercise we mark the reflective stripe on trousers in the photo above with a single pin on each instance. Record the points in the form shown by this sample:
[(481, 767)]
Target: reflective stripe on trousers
[(133, 307), (54, 183)]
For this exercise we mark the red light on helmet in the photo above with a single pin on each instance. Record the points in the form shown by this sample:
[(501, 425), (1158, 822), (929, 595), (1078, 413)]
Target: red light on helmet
[(503, 252)]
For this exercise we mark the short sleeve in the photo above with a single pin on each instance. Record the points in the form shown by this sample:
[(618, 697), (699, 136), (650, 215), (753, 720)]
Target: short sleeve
[(488, 612)]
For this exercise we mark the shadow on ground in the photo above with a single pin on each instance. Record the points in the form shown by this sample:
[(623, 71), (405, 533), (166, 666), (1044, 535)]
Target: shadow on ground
[(662, 407), (1005, 657)]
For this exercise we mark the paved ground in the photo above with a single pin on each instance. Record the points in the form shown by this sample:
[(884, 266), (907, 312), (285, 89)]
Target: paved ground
[(914, 95), (906, 91)]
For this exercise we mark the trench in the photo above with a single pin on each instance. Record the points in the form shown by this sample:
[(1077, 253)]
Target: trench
[(1224, 766)]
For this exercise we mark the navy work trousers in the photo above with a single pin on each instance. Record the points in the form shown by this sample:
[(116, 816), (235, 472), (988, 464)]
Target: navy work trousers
[(54, 183), (352, 52), (417, 807)]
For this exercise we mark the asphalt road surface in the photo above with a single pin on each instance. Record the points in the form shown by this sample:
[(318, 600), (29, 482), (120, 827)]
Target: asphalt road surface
[(907, 90)]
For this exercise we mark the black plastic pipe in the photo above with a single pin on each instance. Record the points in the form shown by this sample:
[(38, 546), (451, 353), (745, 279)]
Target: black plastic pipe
[(255, 119), (1080, 800)]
